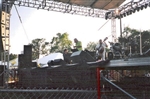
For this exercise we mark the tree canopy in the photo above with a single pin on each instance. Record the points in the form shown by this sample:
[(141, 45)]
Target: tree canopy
[(39, 47), (134, 35), (91, 46), (60, 42)]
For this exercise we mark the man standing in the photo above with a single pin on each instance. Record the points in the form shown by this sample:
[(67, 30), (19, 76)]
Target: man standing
[(101, 49), (66, 56), (78, 45)]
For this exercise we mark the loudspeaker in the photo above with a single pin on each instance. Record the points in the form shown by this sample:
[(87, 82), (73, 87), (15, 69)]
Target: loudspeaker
[(21, 63), (28, 50), (81, 56), (4, 29), (28, 53)]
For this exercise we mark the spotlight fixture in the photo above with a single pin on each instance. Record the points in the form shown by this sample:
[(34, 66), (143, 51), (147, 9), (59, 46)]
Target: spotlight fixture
[(124, 14), (146, 4), (130, 11), (107, 14), (137, 8), (121, 15), (133, 10), (142, 6)]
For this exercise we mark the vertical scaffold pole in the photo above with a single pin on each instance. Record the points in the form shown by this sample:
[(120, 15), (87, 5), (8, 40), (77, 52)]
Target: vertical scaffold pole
[(98, 84)]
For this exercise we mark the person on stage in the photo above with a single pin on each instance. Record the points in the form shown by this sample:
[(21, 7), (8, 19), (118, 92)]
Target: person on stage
[(101, 50), (78, 46)]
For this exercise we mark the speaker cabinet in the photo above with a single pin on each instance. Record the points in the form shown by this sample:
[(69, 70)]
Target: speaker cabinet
[(81, 56)]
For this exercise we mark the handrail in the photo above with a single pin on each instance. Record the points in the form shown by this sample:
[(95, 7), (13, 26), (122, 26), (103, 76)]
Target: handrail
[(132, 97)]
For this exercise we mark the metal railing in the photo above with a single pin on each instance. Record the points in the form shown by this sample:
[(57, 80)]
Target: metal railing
[(47, 94)]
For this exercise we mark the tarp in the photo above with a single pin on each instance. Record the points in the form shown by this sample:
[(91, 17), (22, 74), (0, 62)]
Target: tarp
[(51, 56), (2, 63), (13, 62), (42, 61)]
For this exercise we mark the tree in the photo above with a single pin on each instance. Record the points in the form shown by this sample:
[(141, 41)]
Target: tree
[(12, 56), (60, 42), (134, 35), (39, 47), (91, 46)]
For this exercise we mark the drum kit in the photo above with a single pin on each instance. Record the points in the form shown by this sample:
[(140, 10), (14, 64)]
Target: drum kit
[(117, 51)]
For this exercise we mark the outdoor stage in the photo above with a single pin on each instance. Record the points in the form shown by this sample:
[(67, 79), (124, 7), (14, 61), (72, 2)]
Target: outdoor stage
[(140, 63)]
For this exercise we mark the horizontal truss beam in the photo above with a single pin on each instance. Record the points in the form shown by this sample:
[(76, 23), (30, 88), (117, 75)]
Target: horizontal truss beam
[(52, 5), (127, 9)]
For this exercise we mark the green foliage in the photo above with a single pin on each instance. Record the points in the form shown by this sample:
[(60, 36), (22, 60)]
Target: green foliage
[(12, 56), (39, 47), (133, 34), (60, 42), (91, 46)]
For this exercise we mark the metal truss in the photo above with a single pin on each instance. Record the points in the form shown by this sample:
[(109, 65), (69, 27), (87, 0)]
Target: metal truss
[(113, 30), (52, 5), (127, 9)]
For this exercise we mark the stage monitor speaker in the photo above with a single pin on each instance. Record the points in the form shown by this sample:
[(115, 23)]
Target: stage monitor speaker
[(81, 56)]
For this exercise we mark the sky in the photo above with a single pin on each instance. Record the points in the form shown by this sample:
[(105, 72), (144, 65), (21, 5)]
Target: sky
[(46, 24)]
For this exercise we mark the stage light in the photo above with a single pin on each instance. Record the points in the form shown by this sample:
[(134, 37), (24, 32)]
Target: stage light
[(137, 8), (117, 17), (121, 15), (133, 10), (124, 14), (146, 4), (107, 14), (19, 3), (128, 13), (142, 6), (117, 11)]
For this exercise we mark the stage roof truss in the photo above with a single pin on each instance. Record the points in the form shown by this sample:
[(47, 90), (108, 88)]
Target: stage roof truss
[(94, 8), (127, 9), (59, 6)]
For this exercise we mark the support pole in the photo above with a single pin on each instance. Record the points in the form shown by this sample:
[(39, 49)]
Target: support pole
[(98, 84), (141, 43), (120, 29)]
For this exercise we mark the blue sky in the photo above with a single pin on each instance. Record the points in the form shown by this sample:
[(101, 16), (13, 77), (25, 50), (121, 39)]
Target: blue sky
[(46, 24)]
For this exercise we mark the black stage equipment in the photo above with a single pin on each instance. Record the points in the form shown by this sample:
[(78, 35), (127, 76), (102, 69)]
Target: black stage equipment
[(81, 56)]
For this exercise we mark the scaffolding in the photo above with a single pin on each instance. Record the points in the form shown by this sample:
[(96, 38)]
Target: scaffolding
[(5, 42), (57, 6)]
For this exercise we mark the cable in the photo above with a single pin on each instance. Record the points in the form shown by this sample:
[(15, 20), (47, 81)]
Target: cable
[(22, 24), (103, 25)]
